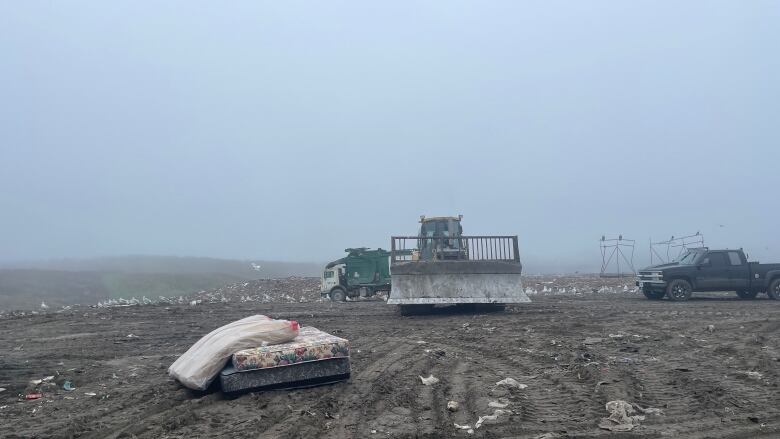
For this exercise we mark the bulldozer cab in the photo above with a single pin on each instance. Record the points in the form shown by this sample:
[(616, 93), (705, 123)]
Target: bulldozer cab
[(440, 238)]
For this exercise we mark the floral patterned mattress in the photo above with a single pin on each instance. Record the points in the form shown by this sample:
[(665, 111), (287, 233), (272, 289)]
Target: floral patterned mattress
[(311, 344)]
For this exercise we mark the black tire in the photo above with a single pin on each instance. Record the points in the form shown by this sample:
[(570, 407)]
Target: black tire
[(743, 294), (679, 290), (654, 295), (774, 290), (338, 295)]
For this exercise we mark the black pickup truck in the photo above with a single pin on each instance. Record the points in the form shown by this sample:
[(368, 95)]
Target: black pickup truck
[(703, 269)]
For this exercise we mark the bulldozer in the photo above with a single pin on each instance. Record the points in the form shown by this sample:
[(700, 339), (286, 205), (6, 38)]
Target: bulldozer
[(441, 266)]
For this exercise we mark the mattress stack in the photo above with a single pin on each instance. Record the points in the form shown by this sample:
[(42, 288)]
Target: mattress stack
[(314, 357)]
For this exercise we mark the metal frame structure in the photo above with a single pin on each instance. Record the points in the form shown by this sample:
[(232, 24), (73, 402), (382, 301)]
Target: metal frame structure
[(616, 249), (682, 243), (471, 248)]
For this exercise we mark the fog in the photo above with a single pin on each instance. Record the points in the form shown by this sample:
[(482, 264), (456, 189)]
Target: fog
[(292, 130)]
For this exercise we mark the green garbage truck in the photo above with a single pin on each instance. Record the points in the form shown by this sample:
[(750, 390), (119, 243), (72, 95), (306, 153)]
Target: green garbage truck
[(362, 273)]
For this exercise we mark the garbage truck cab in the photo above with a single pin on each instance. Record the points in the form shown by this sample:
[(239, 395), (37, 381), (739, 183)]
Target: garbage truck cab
[(362, 273), (331, 278)]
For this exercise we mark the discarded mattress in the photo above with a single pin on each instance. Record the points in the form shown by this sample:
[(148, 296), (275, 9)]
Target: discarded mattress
[(197, 367), (313, 357)]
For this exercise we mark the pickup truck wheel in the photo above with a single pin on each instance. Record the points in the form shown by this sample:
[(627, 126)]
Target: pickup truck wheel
[(747, 294), (654, 295), (774, 290), (679, 290), (338, 295)]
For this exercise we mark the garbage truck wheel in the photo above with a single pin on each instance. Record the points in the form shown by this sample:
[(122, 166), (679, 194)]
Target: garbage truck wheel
[(338, 295)]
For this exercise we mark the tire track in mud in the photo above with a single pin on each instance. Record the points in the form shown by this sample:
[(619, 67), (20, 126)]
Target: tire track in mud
[(564, 394), (366, 392)]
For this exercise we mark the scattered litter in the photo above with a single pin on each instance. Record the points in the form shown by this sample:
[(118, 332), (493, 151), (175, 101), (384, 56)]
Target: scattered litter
[(90, 393), (752, 374), (593, 340), (710, 328), (622, 416), (616, 335), (649, 410), (420, 342), (511, 382), (431, 380), (453, 406), (493, 417), (373, 431), (31, 396), (132, 336), (36, 382), (2, 389), (468, 428), (68, 386), (498, 405)]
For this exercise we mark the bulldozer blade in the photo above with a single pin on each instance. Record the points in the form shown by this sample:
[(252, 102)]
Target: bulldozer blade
[(452, 282)]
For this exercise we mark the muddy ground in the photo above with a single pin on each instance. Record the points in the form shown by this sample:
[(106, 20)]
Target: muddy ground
[(711, 365)]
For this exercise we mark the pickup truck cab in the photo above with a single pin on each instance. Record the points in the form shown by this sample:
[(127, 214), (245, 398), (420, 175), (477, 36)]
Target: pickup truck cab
[(702, 269)]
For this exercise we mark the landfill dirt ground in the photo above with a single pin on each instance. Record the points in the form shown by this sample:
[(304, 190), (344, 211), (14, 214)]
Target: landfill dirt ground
[(711, 365)]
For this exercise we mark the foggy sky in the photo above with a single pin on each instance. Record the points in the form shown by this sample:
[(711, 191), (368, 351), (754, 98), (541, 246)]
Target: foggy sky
[(292, 130)]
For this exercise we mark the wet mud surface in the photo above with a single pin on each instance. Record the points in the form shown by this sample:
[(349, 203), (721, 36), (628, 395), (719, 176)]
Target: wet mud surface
[(711, 365)]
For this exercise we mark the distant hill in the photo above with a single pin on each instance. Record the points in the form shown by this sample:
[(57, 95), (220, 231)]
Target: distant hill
[(174, 264), (87, 281)]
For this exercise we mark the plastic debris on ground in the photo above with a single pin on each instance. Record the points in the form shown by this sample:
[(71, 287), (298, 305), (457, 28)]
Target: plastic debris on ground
[(431, 380), (511, 382), (31, 396), (68, 386), (489, 418), (752, 374), (453, 406), (468, 428), (498, 405), (622, 418)]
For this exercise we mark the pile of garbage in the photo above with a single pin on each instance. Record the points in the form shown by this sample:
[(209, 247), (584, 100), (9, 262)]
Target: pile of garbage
[(286, 290), (577, 285)]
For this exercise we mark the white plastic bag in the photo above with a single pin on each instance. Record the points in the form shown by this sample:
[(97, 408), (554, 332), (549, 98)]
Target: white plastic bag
[(198, 367)]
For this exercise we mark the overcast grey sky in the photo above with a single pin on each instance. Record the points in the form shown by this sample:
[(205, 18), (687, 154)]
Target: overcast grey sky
[(292, 130)]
